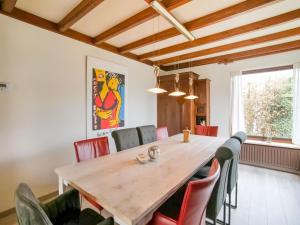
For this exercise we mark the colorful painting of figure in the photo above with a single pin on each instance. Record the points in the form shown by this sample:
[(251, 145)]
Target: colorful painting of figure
[(108, 99)]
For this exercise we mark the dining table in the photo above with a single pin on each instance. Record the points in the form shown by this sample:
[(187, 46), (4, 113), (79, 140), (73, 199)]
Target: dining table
[(132, 191)]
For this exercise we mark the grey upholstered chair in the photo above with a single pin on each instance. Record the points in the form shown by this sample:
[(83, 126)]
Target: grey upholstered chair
[(147, 134), (64, 210), (241, 136), (233, 180), (224, 155), (126, 138)]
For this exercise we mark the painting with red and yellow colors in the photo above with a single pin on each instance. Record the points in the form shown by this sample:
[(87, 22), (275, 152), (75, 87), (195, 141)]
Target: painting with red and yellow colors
[(108, 98)]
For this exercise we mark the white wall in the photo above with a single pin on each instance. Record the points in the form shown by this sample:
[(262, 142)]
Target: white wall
[(219, 74), (44, 112)]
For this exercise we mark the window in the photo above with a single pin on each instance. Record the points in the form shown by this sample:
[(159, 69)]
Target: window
[(267, 97)]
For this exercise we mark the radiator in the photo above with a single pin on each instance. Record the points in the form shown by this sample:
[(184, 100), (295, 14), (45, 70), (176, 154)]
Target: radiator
[(279, 158)]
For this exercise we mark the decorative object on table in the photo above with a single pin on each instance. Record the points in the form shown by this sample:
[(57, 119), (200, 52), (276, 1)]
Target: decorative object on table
[(186, 135), (157, 89), (142, 158), (105, 96), (176, 91), (153, 152)]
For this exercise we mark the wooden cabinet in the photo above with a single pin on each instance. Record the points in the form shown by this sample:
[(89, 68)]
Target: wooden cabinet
[(178, 113), (202, 104)]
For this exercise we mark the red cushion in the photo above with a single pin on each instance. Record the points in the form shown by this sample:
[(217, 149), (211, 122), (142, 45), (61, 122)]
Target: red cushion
[(162, 133), (91, 148), (207, 130)]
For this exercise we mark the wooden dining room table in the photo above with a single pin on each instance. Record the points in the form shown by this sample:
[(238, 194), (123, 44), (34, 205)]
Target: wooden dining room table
[(131, 191)]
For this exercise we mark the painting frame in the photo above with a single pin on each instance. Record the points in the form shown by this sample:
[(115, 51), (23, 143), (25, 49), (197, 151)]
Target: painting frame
[(95, 70)]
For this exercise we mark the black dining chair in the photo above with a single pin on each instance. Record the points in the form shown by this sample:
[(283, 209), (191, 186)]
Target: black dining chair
[(147, 134), (224, 155), (126, 138), (64, 210)]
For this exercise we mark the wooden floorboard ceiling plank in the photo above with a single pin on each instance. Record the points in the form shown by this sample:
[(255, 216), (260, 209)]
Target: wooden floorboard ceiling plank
[(198, 23)]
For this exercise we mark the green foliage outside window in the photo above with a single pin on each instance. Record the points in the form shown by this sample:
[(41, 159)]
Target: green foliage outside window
[(268, 104)]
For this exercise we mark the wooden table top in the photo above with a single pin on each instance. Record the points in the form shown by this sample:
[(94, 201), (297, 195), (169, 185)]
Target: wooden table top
[(132, 191)]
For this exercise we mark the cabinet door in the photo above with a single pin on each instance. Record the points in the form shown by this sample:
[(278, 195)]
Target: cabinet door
[(169, 114)]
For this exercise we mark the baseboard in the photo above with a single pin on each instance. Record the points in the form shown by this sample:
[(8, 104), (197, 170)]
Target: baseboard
[(42, 199)]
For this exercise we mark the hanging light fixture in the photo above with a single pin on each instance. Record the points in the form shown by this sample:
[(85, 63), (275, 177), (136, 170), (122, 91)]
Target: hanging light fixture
[(191, 95), (176, 86), (157, 89)]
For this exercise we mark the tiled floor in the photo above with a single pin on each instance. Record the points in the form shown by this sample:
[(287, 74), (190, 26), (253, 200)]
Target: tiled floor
[(266, 197)]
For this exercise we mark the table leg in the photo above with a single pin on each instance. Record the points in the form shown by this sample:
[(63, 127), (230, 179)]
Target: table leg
[(60, 185)]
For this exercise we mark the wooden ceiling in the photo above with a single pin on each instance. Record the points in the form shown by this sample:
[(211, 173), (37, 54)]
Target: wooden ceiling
[(225, 30)]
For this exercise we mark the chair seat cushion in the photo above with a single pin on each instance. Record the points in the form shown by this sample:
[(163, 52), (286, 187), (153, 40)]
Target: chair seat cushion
[(203, 172), (172, 206), (86, 217), (90, 217)]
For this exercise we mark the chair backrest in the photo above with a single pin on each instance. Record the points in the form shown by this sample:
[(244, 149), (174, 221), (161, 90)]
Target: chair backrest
[(207, 130), (197, 194), (147, 134), (240, 136), (233, 170), (91, 148), (28, 208), (224, 155), (162, 133), (126, 138)]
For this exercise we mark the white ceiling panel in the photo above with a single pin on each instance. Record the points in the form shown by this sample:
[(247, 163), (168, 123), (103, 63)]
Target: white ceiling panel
[(144, 30), (198, 8), (294, 38), (108, 14), (53, 10), (187, 12), (243, 19), (257, 33)]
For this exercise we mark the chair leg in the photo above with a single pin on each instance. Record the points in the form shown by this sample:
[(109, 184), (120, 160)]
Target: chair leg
[(236, 197), (229, 209), (224, 214)]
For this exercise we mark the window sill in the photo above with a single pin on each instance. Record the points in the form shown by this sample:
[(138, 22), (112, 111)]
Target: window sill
[(273, 144)]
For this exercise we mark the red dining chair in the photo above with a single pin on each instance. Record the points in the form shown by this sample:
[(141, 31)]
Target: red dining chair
[(162, 133), (90, 149), (193, 205), (207, 130)]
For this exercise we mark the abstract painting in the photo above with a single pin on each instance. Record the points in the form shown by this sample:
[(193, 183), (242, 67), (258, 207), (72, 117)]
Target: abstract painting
[(105, 96)]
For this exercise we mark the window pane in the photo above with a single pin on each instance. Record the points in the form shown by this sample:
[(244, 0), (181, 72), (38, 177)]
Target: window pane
[(268, 103)]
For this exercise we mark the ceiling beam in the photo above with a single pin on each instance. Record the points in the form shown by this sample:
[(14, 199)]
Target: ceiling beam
[(51, 26), (273, 49), (8, 5), (197, 23), (83, 8), (227, 47), (225, 34), (136, 20)]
